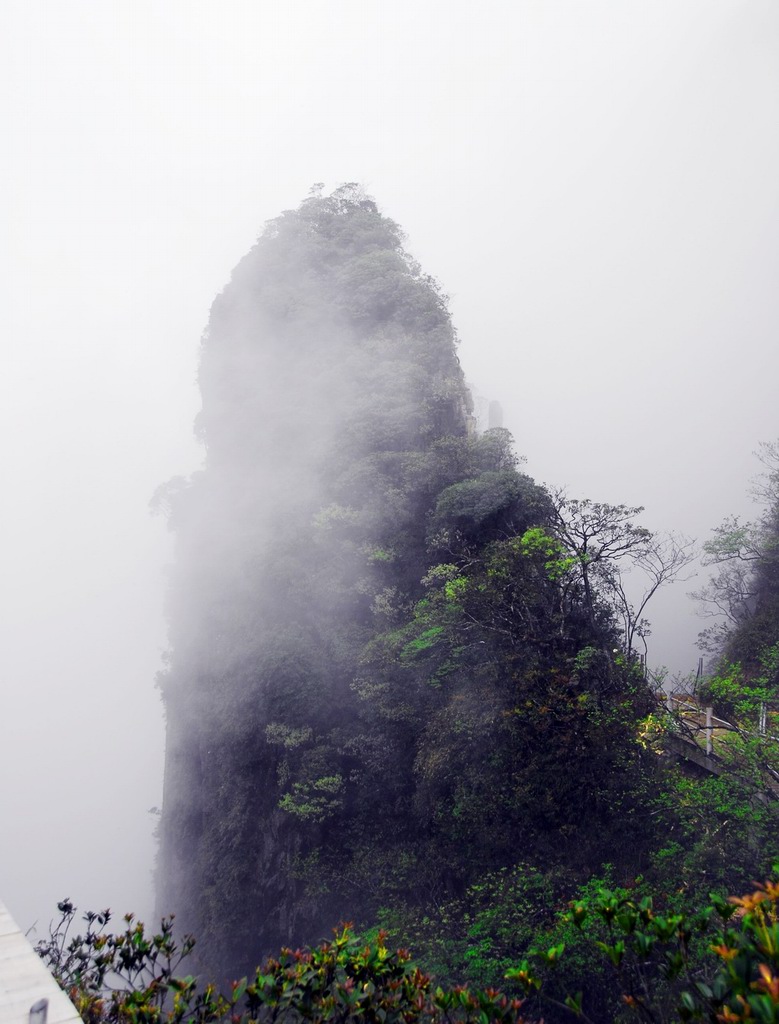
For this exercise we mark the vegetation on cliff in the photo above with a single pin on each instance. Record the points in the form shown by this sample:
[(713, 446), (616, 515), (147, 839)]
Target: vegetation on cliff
[(404, 685)]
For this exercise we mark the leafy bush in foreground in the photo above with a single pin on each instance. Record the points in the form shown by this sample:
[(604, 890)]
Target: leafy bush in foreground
[(131, 976), (656, 959)]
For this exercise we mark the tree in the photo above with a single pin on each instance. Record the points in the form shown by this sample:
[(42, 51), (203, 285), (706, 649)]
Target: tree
[(743, 592), (735, 549), (607, 543)]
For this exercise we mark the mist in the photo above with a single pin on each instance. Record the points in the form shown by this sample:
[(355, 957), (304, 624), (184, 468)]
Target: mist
[(594, 186)]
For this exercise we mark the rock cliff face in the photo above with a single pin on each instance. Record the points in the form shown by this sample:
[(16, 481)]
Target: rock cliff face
[(381, 652), (328, 376)]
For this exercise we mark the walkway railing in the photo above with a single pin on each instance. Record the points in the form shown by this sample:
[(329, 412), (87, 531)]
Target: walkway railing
[(699, 732)]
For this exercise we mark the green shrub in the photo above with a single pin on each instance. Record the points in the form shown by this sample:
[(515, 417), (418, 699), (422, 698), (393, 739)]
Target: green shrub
[(130, 976), (656, 965)]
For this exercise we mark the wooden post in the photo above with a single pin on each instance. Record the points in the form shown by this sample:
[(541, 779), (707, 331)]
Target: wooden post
[(709, 730), (39, 1011)]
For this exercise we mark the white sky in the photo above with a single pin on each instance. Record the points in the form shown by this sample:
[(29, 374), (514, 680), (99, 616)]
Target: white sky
[(594, 184)]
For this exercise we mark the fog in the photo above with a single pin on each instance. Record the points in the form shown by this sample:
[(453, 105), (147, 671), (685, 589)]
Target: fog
[(593, 185)]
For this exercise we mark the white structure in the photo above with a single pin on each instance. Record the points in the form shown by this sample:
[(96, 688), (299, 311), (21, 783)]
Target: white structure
[(28, 993)]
